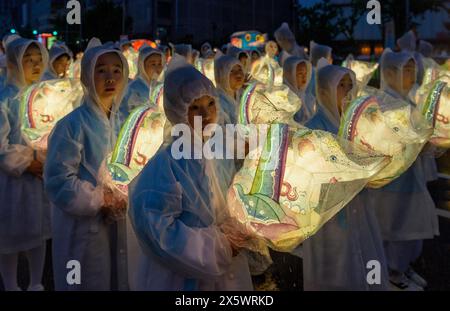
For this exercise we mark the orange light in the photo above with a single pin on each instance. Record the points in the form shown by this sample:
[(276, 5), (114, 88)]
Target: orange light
[(379, 50), (365, 50)]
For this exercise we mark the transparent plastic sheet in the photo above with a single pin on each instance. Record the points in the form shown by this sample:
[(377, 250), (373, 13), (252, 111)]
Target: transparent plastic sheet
[(267, 72), (390, 127), (132, 58), (206, 67), (264, 105), (295, 182), (43, 104), (433, 103), (363, 70), (139, 139)]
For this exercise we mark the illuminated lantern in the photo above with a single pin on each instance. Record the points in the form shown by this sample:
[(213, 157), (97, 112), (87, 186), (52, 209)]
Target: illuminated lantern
[(434, 103), (262, 105), (74, 70), (296, 182), (363, 70), (390, 132), (206, 67), (132, 58), (139, 139), (248, 40), (157, 96), (434, 72), (264, 71), (43, 104)]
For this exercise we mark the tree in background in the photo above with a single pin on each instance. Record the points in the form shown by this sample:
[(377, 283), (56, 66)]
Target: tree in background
[(324, 20)]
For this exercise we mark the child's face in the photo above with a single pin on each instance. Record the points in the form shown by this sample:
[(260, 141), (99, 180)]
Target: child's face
[(243, 59), (32, 64), (61, 64), (153, 65), (255, 56), (236, 78), (409, 76), (204, 107), (343, 89), (301, 75), (272, 49), (108, 76)]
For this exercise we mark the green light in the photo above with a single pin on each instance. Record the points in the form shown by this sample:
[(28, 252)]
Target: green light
[(35, 32), (13, 30), (55, 33)]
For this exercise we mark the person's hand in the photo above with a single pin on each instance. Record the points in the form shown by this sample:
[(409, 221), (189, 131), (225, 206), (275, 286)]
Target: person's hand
[(113, 208), (36, 168)]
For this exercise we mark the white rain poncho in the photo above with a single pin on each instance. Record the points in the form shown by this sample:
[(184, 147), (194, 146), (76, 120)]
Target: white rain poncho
[(24, 209), (184, 50), (404, 207), (318, 51), (335, 258), (363, 71), (176, 206), (425, 48), (327, 80), (286, 40), (236, 53), (407, 42), (43, 104), (206, 50), (137, 93), (55, 52), (308, 108), (229, 102), (78, 147)]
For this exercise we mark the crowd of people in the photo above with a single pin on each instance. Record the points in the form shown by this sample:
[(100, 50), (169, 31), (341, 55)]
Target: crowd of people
[(171, 233)]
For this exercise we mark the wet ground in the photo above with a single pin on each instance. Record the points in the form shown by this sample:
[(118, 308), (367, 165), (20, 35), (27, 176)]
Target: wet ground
[(286, 274)]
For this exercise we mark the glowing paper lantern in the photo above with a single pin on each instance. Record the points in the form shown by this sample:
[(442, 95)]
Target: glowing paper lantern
[(264, 105), (206, 67), (132, 58), (434, 104), (390, 132), (74, 70), (363, 70), (267, 72), (434, 72), (138, 141), (43, 104), (157, 96), (297, 181)]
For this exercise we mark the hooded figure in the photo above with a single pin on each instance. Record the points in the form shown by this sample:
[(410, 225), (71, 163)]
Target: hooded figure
[(286, 40), (229, 99), (24, 209), (206, 50), (407, 43), (405, 210), (241, 55), (184, 50), (290, 70), (335, 258), (176, 205), (316, 52), (55, 53), (77, 147), (138, 90), (425, 48)]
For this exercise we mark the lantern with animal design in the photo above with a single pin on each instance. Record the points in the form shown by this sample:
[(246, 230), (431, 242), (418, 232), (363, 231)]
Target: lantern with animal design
[(298, 180), (43, 104)]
